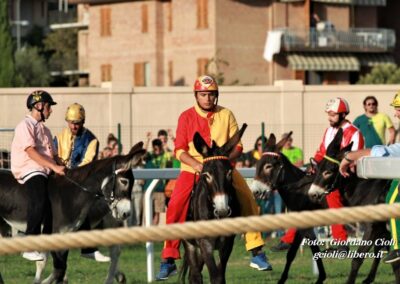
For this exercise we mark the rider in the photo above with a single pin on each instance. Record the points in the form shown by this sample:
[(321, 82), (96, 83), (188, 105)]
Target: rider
[(77, 146), (392, 196), (214, 123), (337, 110), (32, 160)]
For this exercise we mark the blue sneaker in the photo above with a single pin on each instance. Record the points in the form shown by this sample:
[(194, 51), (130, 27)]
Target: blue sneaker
[(260, 262), (166, 269)]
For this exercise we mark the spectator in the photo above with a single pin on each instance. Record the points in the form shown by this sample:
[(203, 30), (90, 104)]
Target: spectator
[(254, 155), (163, 136), (294, 154), (106, 153), (113, 144), (77, 146), (137, 201), (157, 159), (373, 124)]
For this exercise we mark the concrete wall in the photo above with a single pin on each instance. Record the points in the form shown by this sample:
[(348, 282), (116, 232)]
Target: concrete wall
[(288, 105)]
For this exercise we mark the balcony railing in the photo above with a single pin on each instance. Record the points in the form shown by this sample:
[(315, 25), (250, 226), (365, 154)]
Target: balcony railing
[(351, 40), (60, 17)]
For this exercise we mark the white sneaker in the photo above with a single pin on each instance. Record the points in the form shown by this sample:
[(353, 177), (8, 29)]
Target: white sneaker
[(34, 256), (97, 256)]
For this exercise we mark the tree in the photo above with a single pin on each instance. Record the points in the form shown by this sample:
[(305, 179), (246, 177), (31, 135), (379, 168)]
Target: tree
[(6, 48), (62, 44), (31, 68), (382, 74)]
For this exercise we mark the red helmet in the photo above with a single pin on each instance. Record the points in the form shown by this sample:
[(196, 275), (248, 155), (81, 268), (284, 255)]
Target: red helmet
[(338, 105), (205, 83)]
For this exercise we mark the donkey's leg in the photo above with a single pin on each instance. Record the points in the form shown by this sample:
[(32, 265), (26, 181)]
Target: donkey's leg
[(291, 254), (115, 252), (206, 249), (224, 253), (378, 231), (315, 251), (357, 262), (40, 266), (194, 261), (396, 271), (59, 267)]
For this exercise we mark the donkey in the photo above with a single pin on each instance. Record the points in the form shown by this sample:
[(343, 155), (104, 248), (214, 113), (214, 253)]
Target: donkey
[(275, 171), (355, 191), (98, 192), (213, 197)]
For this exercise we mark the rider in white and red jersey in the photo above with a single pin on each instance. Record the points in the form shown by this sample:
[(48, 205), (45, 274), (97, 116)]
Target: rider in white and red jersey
[(337, 110)]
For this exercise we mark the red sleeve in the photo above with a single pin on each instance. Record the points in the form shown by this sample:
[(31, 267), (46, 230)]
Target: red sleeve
[(181, 138)]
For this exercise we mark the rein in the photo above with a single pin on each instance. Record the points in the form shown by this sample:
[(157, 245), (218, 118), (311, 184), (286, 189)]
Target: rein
[(98, 194), (330, 159), (205, 160)]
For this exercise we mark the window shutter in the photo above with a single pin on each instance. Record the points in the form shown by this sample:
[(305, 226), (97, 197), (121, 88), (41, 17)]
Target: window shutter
[(138, 71), (202, 66), (145, 19)]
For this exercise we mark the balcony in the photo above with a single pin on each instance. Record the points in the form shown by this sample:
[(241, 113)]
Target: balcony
[(351, 40), (60, 19)]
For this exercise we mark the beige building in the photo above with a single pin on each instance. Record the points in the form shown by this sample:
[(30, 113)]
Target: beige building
[(164, 43)]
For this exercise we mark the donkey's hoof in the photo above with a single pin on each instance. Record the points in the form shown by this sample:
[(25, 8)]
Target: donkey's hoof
[(120, 277)]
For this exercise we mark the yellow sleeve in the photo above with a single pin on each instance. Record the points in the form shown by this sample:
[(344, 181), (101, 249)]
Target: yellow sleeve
[(91, 152), (233, 127), (388, 121)]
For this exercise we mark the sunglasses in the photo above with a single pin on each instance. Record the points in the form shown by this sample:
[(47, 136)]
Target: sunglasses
[(371, 104)]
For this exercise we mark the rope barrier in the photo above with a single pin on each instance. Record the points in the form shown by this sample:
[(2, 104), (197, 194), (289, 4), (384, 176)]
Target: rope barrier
[(190, 230)]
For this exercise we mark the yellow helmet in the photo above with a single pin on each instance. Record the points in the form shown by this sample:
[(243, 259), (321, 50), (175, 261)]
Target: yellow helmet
[(396, 100), (75, 113)]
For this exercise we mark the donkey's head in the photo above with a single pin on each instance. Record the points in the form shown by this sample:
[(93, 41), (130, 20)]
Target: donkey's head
[(328, 177), (269, 169), (117, 187), (216, 175)]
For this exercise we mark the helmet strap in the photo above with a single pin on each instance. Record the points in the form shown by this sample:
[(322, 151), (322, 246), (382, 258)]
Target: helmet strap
[(42, 118)]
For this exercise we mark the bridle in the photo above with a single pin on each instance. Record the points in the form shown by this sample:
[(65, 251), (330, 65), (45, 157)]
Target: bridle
[(335, 183), (274, 183), (99, 193), (206, 160)]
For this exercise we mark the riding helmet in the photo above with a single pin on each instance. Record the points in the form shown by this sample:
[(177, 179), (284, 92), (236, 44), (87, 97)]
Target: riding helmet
[(338, 105), (205, 83), (37, 97), (75, 113)]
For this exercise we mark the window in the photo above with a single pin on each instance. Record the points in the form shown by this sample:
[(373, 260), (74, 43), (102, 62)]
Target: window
[(145, 19), (141, 74), (202, 66), (202, 14), (170, 73), (106, 72), (105, 21)]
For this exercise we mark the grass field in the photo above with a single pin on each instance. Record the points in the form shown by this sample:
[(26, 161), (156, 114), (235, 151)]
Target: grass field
[(133, 263)]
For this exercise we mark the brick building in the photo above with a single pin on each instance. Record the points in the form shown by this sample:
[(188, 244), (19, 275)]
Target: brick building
[(162, 43)]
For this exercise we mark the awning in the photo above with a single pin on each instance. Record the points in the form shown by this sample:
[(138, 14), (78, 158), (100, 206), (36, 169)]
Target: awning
[(356, 2), (323, 61), (371, 60)]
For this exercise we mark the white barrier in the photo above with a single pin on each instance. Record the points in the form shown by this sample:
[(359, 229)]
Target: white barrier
[(379, 167), (157, 175)]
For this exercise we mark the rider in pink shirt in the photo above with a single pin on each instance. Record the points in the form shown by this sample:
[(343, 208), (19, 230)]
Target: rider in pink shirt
[(32, 160)]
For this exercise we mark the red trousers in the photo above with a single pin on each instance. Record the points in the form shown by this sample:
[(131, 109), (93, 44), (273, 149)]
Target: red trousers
[(339, 233)]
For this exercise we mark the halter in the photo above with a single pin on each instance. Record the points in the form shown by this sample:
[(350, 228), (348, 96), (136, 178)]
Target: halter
[(205, 160), (277, 177), (333, 186)]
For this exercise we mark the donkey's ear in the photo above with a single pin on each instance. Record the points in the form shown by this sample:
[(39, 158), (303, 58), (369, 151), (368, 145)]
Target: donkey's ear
[(234, 140), (334, 147), (270, 146), (132, 160), (344, 150), (200, 145), (135, 148), (283, 141)]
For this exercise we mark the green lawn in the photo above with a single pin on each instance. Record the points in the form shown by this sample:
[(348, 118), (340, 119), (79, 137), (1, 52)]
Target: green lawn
[(133, 263)]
